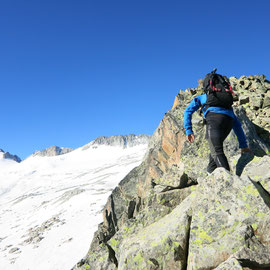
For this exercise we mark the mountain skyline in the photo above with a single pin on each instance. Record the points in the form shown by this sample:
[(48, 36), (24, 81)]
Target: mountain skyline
[(72, 71), (116, 140)]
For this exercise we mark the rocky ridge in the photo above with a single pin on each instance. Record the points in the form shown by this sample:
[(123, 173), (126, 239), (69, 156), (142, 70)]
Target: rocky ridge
[(52, 151), (123, 141), (169, 214), (7, 155)]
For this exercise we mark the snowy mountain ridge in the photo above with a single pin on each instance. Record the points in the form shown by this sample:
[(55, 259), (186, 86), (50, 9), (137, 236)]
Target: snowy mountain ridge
[(116, 140), (7, 155), (123, 141)]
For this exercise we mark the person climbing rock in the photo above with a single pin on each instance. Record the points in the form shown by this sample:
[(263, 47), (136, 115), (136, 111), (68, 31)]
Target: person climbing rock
[(216, 106)]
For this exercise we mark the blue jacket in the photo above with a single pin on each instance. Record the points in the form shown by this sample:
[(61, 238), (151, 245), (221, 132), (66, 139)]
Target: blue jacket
[(197, 102)]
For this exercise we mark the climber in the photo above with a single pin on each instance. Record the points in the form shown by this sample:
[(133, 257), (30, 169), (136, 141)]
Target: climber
[(220, 119)]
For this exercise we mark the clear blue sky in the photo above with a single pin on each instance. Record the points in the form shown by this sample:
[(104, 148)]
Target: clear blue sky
[(71, 71)]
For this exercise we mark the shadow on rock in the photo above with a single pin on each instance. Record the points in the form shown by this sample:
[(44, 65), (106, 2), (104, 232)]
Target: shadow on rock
[(263, 192), (242, 162)]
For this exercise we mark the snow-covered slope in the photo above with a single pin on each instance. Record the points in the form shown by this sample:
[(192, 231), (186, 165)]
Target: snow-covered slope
[(51, 206)]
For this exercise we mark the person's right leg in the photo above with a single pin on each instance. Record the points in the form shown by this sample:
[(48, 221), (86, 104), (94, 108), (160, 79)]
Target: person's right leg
[(211, 165)]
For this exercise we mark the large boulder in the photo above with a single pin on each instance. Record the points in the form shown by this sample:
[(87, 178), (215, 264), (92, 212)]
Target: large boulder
[(161, 245), (229, 214)]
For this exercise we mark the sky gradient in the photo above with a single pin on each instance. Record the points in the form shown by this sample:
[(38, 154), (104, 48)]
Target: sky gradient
[(71, 71)]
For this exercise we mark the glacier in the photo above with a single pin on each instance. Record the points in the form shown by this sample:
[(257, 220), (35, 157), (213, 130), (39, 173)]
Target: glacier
[(50, 207)]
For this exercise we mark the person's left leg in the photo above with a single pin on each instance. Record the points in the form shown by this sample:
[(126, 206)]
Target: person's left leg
[(218, 128)]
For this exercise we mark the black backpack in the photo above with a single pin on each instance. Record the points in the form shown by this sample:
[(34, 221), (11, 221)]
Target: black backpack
[(219, 91)]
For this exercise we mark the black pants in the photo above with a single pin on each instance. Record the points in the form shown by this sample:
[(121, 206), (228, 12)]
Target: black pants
[(218, 127)]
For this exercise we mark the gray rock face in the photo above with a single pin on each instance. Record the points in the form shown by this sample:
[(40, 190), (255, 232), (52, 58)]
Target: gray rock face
[(266, 102), (53, 151), (227, 217), (168, 214), (230, 264), (122, 140), (7, 155), (156, 247), (254, 94)]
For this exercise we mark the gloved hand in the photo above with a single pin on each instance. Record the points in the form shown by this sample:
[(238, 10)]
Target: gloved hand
[(245, 150)]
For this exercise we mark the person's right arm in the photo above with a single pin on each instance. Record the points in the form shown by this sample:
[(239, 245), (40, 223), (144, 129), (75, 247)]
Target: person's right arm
[(193, 106)]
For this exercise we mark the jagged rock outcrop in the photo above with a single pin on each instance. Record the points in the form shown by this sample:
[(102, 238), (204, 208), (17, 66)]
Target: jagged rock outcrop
[(7, 155), (53, 151), (168, 214)]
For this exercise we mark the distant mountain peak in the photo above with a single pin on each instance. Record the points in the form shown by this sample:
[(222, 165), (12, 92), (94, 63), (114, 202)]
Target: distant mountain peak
[(53, 151), (123, 141), (7, 155)]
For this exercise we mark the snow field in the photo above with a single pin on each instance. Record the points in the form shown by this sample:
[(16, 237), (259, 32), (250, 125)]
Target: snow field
[(51, 206)]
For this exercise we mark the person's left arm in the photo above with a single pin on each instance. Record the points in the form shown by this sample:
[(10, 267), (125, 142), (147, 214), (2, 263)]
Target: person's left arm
[(239, 132)]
